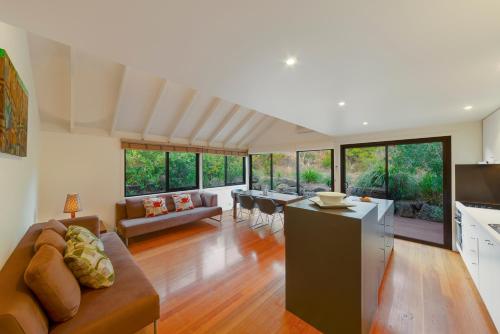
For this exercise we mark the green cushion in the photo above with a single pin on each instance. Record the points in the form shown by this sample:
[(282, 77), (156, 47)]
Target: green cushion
[(81, 234), (90, 265)]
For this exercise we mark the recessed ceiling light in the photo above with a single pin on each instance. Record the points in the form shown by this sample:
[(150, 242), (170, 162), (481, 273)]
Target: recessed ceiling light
[(365, 123), (341, 103), (467, 107), (291, 61)]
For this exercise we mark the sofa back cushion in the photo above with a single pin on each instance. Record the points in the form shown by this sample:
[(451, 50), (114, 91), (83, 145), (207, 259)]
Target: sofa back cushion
[(51, 238), (57, 226), (53, 284), (135, 207), (20, 312)]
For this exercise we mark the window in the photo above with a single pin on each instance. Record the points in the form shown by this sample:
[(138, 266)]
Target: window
[(144, 172), (152, 172), (235, 170), (182, 170), (315, 172), (304, 172), (213, 170), (285, 172), (260, 171), (220, 170), (415, 174)]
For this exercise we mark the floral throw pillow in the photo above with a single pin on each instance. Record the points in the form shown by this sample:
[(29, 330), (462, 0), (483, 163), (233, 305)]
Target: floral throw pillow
[(89, 264), (155, 206), (183, 202), (81, 234)]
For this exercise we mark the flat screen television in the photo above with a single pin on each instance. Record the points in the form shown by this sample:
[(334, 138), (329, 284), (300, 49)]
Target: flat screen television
[(477, 183)]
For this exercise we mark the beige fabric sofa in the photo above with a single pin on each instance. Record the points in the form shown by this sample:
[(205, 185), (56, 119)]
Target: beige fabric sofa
[(126, 307), (131, 220)]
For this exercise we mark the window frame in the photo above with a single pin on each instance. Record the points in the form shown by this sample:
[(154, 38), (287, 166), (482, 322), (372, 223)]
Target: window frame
[(227, 184), (297, 168), (167, 174)]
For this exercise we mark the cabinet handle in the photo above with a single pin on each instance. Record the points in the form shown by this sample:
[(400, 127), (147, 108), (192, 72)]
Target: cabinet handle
[(474, 263), (473, 225), (491, 244), (486, 240)]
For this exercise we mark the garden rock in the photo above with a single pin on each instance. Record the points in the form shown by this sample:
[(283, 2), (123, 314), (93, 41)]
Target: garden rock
[(406, 209), (431, 213)]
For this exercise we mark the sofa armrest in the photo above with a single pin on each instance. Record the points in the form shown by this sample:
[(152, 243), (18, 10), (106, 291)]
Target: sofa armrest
[(91, 223), (209, 199)]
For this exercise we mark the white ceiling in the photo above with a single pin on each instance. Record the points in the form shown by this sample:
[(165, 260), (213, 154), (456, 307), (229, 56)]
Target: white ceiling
[(397, 64)]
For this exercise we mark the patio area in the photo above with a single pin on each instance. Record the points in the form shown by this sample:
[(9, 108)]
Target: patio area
[(418, 229)]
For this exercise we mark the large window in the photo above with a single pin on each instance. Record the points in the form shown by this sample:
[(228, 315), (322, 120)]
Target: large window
[(315, 171), (220, 170), (152, 172), (260, 171), (144, 172), (285, 172), (182, 170), (415, 174), (304, 172)]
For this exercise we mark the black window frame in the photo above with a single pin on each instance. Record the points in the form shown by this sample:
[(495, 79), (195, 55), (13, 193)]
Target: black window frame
[(227, 184), (297, 168), (167, 178)]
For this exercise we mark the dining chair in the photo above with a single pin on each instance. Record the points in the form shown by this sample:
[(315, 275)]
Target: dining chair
[(270, 209), (247, 205)]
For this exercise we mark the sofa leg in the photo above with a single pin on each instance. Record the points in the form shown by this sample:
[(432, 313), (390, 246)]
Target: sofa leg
[(126, 242), (155, 324)]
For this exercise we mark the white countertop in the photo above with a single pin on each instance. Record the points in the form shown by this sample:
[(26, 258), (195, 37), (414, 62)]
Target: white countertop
[(484, 217)]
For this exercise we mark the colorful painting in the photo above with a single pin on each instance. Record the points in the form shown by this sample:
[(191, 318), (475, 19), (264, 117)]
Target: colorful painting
[(13, 109)]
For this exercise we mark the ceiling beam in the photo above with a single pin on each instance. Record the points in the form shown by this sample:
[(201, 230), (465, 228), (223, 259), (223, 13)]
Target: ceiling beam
[(182, 115), (223, 124), (259, 131), (238, 127), (154, 110), (208, 113), (252, 129), (116, 112)]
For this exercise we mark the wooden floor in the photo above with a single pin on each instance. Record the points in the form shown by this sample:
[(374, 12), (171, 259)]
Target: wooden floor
[(230, 279)]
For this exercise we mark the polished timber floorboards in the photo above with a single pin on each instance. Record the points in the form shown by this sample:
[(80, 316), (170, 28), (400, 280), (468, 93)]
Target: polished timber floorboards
[(230, 279)]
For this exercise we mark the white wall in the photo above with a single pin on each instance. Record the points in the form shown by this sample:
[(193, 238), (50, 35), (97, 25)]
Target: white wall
[(92, 166), (491, 137), (18, 176)]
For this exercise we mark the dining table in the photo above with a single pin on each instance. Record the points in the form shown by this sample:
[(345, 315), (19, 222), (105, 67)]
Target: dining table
[(282, 199)]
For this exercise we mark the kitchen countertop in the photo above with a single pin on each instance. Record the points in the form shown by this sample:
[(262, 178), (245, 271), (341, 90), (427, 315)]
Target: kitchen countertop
[(484, 217), (382, 204)]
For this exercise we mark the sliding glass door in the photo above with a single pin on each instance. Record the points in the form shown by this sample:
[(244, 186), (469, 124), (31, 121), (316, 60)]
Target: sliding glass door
[(415, 174)]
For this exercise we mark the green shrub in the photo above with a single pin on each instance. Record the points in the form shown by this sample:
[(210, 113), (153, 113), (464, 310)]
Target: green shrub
[(310, 175), (403, 185), (372, 178), (431, 188)]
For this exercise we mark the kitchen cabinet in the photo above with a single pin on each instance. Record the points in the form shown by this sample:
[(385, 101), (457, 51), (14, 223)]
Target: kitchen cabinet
[(489, 274)]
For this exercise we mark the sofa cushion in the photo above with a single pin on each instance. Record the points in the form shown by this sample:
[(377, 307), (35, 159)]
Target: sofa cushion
[(56, 226), (135, 207), (169, 202), (81, 234), (51, 238), (155, 206), (53, 283), (196, 198), (183, 202), (138, 226), (126, 307), (90, 265)]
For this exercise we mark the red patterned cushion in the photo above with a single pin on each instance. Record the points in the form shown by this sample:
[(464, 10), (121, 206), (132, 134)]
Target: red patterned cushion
[(183, 202), (155, 206)]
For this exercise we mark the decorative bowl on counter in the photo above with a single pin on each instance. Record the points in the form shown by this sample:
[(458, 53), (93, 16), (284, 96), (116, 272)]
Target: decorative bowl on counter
[(331, 197)]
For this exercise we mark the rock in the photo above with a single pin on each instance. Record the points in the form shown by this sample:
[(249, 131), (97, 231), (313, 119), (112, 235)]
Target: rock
[(318, 189), (432, 213), (405, 209)]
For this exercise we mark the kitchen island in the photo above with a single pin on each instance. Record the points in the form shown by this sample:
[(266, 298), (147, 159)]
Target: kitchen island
[(335, 262)]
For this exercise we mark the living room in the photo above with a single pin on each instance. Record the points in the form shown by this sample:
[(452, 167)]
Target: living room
[(198, 165)]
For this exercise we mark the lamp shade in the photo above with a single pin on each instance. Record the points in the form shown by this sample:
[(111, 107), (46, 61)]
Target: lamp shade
[(72, 203)]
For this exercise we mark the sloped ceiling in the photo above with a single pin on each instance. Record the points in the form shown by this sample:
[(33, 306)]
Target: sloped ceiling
[(397, 64), (80, 92)]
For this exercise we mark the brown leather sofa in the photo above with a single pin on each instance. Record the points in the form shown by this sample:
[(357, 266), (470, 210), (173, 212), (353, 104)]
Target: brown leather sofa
[(131, 220), (126, 307)]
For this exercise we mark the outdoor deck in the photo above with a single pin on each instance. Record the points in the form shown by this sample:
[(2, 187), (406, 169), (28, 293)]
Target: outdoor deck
[(418, 229)]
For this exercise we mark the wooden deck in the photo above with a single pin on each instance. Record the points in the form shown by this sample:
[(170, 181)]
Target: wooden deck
[(229, 278), (419, 229)]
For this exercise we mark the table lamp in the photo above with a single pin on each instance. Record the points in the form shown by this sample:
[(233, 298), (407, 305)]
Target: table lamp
[(72, 204)]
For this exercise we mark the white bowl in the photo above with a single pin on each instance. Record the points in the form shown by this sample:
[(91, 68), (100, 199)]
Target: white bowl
[(330, 197)]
